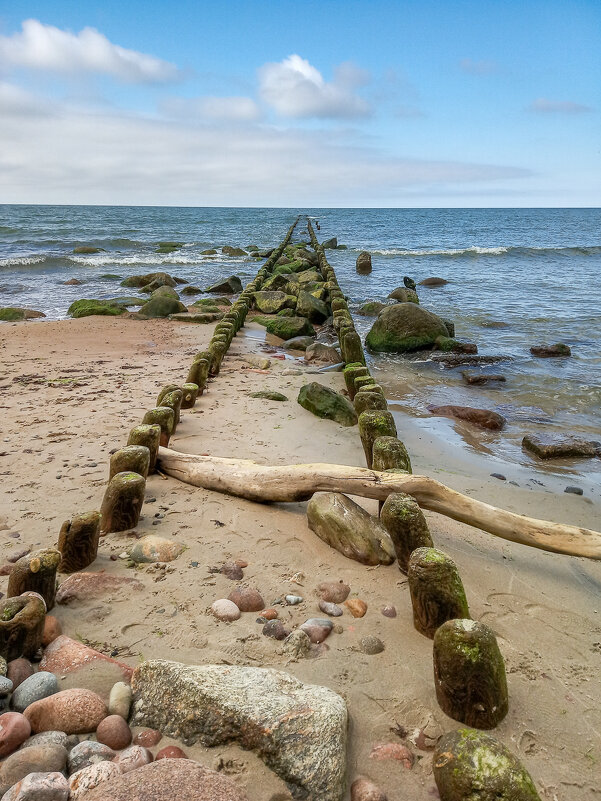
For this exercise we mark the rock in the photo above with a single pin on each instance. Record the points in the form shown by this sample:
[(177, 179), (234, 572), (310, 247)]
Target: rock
[(297, 645), (388, 610), (52, 630), (317, 352), (165, 292), (10, 314), (260, 362), (120, 700), (433, 282), (330, 243), (53, 737), (372, 308), (201, 319), (298, 343), (225, 610), (356, 607), (270, 302), (228, 250), (293, 600), (312, 308), (273, 396), (90, 586), (317, 629), (35, 759), (155, 549), (228, 286), (6, 688), (333, 591), (403, 294), (286, 327), (78, 665), (397, 751), (363, 789), (191, 290), (299, 730), (363, 263), (139, 281), (209, 252), (404, 327), (87, 753), (458, 359), (40, 685), (74, 711), (148, 738), (247, 599), (275, 629), (171, 752), (39, 787), (161, 307), (574, 490), (330, 609), (326, 403), (14, 730), (500, 476), (371, 645), (484, 418), (90, 307), (232, 570), (470, 764), (88, 778), (347, 527), (481, 378), (559, 446), (550, 351), (133, 758), (168, 780), (114, 732), (450, 345)]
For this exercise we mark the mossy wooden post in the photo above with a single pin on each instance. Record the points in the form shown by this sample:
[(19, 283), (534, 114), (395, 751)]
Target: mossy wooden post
[(350, 373), (173, 400), (149, 436), (362, 381), (389, 453), (353, 349), (369, 402), (373, 425), (164, 417), (122, 502), (437, 592), (132, 458), (165, 391), (21, 626), (190, 391), (405, 522), (217, 350), (35, 572), (199, 371), (78, 541), (469, 674)]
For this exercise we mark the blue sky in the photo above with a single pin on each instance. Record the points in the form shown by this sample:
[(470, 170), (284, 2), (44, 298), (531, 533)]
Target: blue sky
[(301, 103)]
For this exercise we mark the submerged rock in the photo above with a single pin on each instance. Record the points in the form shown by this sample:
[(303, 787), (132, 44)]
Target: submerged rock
[(559, 446), (481, 378), (326, 403), (404, 327), (363, 263), (483, 418), (550, 351), (433, 282)]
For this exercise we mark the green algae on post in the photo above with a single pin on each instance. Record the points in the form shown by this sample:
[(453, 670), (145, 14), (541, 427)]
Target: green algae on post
[(131, 458), (372, 425), (437, 592), (406, 524), (164, 417), (35, 572), (122, 502), (148, 435)]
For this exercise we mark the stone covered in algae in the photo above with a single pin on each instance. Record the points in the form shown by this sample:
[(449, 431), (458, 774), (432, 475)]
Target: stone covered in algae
[(389, 453), (286, 327), (326, 403), (436, 589), (374, 424), (404, 327), (269, 395), (407, 526), (90, 307), (472, 766)]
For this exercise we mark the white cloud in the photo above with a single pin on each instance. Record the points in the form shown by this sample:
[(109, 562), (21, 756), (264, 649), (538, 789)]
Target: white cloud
[(295, 88), (45, 47), (232, 109), (544, 106), (473, 67)]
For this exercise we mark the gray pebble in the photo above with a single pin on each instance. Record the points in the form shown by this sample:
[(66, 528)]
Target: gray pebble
[(89, 753), (34, 688), (45, 737), (500, 476), (3, 666), (371, 645), (574, 490), (293, 600), (6, 687), (330, 609)]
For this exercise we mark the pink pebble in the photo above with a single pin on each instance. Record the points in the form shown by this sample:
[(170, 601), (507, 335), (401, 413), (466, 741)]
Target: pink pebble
[(14, 730), (170, 752)]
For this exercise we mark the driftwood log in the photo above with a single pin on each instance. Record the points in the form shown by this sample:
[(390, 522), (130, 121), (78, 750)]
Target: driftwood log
[(290, 483)]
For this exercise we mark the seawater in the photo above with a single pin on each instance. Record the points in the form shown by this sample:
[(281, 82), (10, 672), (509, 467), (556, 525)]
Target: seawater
[(517, 277)]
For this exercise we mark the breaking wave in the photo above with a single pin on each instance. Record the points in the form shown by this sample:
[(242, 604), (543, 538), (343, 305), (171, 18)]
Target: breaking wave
[(474, 251)]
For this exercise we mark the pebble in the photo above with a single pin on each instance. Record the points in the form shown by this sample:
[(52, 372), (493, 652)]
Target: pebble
[(356, 606), (39, 787), (317, 629), (297, 644), (90, 777), (574, 490), (334, 591), (363, 789), (247, 599), (269, 614), (276, 630), (37, 758), (87, 753), (152, 549), (132, 758), (396, 751), (170, 752), (293, 600), (389, 610), (14, 730), (114, 732), (225, 610), (74, 711), (40, 685), (6, 688), (148, 737), (371, 645), (16, 554), (232, 570), (55, 737), (52, 630), (500, 476), (330, 609), (120, 699)]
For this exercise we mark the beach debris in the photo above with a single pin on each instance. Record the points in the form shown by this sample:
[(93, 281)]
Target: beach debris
[(345, 526), (469, 763), (550, 351), (164, 417), (483, 418), (122, 502), (131, 458), (437, 592), (327, 403), (469, 674), (363, 264), (560, 446), (363, 789), (78, 538), (36, 573), (147, 435), (374, 424), (356, 606)]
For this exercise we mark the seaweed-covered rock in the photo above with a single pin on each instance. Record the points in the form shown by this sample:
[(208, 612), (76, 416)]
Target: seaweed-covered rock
[(469, 764), (326, 403), (89, 307), (371, 308), (308, 277), (160, 278), (389, 453), (168, 247), (85, 250), (404, 294), (550, 351), (269, 395), (270, 302), (311, 307), (451, 345), (404, 327), (228, 286), (161, 307), (228, 250), (363, 263), (349, 529), (286, 327), (165, 292), (9, 314)]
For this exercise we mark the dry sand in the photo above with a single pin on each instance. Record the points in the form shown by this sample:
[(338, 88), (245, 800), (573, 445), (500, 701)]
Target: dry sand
[(69, 393)]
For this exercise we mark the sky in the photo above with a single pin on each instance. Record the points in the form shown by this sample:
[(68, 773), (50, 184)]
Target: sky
[(345, 103)]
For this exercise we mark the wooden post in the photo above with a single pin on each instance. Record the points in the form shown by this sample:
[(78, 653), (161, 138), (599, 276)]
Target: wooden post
[(405, 522), (122, 502), (35, 572), (149, 436), (164, 417), (78, 541), (437, 593), (21, 626), (373, 425), (132, 458)]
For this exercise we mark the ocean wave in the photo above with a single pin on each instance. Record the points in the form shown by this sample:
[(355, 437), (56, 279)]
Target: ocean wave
[(474, 251), (22, 261)]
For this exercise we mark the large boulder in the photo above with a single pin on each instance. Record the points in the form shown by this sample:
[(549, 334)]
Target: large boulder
[(276, 282), (308, 276), (328, 404), (9, 314), (363, 264), (228, 250), (318, 352), (404, 327), (298, 730), (311, 307), (161, 279), (270, 302), (161, 307), (228, 286), (403, 294), (89, 306), (287, 327), (347, 527)]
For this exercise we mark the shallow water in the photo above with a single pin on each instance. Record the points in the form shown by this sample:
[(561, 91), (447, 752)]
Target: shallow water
[(535, 271)]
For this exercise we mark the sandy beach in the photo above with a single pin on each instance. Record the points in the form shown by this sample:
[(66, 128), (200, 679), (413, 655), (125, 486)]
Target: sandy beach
[(70, 392)]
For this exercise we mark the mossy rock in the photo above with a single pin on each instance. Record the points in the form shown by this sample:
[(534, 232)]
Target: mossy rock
[(371, 309), (191, 290), (472, 766), (168, 247), (274, 396), (139, 281), (311, 307), (84, 250), (128, 300), (109, 277), (165, 292), (326, 403), (208, 252), (228, 250), (286, 327), (299, 343), (287, 313), (90, 307), (161, 307), (252, 248), (404, 327), (229, 285), (270, 302), (277, 282), (203, 317), (404, 295), (308, 276)]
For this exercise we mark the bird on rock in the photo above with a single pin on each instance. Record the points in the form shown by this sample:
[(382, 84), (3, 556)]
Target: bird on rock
[(409, 282)]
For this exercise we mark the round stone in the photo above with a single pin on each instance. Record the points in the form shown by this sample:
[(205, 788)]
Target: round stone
[(114, 732), (269, 614), (6, 687), (74, 711), (18, 670), (276, 630), (39, 787), (317, 629), (225, 610), (356, 607), (363, 789), (120, 700), (40, 685), (132, 758), (44, 737), (170, 752), (148, 737), (52, 630), (293, 600), (333, 591), (247, 599), (330, 609), (389, 610), (87, 753), (371, 645), (88, 778), (14, 730)]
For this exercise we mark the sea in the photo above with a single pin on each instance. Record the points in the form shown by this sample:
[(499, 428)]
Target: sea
[(516, 278)]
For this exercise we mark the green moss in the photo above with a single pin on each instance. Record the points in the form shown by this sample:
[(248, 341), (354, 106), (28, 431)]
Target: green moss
[(168, 247), (89, 307), (9, 315)]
